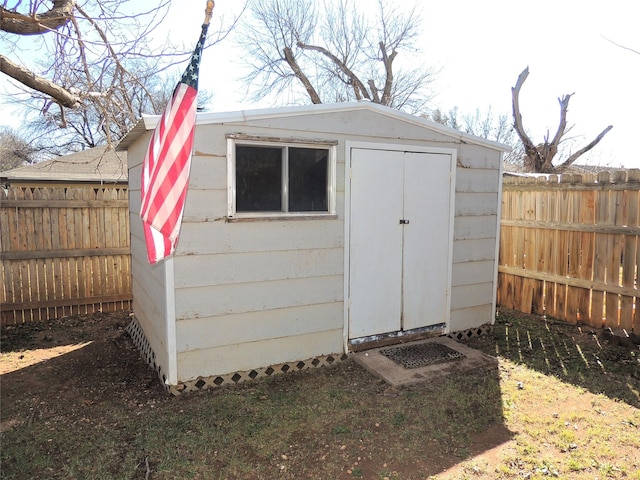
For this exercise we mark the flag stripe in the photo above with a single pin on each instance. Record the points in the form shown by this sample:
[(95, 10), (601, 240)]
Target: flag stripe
[(165, 172)]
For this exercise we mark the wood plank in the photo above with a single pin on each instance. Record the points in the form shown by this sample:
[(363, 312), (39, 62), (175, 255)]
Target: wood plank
[(615, 245), (526, 301), (600, 261), (64, 203), (38, 234), (587, 254), (575, 282), (506, 186), (631, 210), (553, 225), (68, 302), (541, 248), (97, 252)]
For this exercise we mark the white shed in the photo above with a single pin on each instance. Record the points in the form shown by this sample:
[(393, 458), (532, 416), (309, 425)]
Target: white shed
[(310, 230)]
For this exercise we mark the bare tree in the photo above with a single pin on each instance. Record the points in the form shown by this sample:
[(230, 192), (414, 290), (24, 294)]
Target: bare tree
[(539, 158), (487, 125), (331, 52), (14, 150), (97, 72)]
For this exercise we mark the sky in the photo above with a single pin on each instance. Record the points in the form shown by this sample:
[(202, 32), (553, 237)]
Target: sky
[(481, 48)]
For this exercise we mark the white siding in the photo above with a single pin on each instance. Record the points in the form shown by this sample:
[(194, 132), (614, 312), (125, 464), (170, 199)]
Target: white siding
[(255, 297), (246, 356), (471, 227), (219, 237), (475, 204), (257, 326), (251, 267), (466, 318), (475, 232), (469, 273), (148, 282)]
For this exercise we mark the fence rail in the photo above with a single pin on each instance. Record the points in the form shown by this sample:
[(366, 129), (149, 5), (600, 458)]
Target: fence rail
[(569, 248), (64, 250)]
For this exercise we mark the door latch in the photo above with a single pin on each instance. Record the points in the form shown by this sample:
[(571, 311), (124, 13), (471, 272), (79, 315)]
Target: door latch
[(404, 221)]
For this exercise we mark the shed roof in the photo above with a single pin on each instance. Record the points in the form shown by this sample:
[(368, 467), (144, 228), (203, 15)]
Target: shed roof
[(148, 122), (98, 164)]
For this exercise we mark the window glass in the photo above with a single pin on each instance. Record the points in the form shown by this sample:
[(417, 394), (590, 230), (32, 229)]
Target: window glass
[(308, 170), (258, 178)]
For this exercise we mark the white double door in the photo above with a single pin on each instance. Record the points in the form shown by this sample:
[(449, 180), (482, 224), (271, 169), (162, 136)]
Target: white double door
[(400, 234)]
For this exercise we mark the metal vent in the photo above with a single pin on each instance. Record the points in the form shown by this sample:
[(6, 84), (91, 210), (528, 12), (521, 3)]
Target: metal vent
[(422, 354)]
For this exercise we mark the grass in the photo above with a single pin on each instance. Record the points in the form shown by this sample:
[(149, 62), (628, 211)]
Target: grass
[(562, 404)]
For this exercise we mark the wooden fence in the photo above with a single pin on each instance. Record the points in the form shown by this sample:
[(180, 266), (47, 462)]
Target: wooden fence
[(569, 248), (64, 250)]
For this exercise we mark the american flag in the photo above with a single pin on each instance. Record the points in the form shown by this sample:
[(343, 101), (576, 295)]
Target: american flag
[(165, 172)]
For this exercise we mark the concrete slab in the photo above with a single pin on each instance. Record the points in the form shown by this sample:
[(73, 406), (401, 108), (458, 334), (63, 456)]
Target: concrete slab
[(396, 375)]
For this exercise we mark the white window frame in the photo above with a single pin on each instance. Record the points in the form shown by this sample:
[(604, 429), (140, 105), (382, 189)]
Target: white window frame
[(241, 140)]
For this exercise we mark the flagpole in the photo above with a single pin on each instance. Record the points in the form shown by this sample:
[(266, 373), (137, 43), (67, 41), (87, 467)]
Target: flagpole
[(208, 11)]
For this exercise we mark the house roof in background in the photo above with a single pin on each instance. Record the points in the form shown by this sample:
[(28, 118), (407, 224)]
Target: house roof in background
[(98, 164)]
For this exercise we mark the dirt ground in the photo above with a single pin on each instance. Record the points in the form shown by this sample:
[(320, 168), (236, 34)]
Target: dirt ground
[(84, 365), (79, 359)]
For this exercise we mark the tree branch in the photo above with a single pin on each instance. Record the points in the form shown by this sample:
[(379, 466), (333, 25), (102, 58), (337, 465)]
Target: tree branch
[(387, 60), (33, 24), (290, 59), (374, 91), (530, 149), (583, 150), (356, 83), (41, 84)]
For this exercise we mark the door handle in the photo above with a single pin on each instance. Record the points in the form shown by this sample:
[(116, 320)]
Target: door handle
[(404, 221)]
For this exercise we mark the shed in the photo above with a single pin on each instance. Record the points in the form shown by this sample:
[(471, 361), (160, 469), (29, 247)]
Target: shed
[(310, 231)]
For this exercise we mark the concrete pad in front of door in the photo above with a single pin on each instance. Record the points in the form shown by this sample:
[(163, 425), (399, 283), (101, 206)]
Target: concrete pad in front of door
[(396, 375)]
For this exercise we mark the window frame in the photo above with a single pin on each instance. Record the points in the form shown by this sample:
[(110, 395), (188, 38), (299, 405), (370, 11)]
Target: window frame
[(241, 140)]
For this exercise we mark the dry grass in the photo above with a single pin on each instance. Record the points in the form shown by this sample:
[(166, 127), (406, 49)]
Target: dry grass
[(561, 404)]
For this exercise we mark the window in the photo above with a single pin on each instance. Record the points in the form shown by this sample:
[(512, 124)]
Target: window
[(280, 179)]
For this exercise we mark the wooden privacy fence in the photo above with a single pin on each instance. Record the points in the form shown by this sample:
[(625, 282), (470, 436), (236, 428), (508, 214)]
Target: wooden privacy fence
[(569, 248), (64, 250)]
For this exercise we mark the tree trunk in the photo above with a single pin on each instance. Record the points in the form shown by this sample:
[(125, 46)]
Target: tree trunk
[(60, 14), (289, 57)]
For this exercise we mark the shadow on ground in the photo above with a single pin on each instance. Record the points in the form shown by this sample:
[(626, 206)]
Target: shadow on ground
[(579, 355)]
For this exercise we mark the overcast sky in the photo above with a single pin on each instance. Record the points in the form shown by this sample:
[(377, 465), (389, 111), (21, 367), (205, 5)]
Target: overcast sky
[(482, 47)]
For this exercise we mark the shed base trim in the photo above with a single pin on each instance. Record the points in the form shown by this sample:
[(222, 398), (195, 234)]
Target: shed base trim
[(470, 333), (144, 347), (214, 381), (202, 383)]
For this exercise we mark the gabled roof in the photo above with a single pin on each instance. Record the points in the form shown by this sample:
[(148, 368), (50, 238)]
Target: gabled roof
[(98, 164), (148, 122)]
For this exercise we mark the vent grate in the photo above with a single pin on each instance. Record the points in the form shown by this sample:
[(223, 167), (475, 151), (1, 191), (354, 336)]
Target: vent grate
[(422, 354)]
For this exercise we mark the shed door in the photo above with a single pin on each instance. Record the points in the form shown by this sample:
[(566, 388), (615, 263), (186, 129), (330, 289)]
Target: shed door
[(399, 261)]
